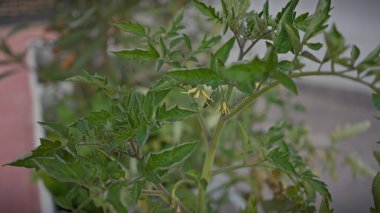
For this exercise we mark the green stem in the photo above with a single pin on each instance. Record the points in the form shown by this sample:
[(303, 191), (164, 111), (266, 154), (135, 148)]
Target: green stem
[(175, 204), (272, 85), (208, 163), (177, 185), (210, 154)]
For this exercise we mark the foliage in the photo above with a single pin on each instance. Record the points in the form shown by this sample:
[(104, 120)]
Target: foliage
[(116, 160), (87, 32), (376, 179)]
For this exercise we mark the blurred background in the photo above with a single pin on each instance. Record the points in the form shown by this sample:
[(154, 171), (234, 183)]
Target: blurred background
[(43, 42)]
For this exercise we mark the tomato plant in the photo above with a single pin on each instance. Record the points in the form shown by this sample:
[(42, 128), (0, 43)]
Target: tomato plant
[(160, 149)]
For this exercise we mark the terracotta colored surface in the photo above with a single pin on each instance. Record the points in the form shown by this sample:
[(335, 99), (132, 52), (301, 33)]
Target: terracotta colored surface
[(17, 192)]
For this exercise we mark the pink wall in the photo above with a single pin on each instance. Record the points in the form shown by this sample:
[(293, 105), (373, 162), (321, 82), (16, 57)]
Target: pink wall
[(17, 191)]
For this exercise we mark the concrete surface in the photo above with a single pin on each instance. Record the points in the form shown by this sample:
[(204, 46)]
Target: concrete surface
[(326, 109)]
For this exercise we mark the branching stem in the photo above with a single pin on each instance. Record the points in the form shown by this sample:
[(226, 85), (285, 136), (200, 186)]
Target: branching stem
[(210, 154)]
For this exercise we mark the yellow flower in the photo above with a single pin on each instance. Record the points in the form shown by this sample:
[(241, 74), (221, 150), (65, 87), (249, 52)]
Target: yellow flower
[(224, 108), (194, 92), (197, 93), (257, 84), (205, 96)]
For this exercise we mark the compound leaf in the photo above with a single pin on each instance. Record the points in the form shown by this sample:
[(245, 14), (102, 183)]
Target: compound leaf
[(169, 157), (196, 76)]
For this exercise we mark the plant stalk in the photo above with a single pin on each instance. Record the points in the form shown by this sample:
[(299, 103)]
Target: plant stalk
[(272, 85), (210, 154), (208, 163)]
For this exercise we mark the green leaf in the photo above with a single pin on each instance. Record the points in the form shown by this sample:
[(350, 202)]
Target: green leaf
[(310, 56), (176, 53), (173, 114), (271, 59), (372, 59), (47, 148), (187, 41), (67, 172), (160, 90), (221, 55), (169, 157), (349, 130), (138, 54), (325, 206), (177, 19), (266, 10), (98, 117), (68, 198), (153, 50), (294, 38), (224, 51), (208, 11), (136, 190), (376, 154), (281, 41), (159, 64), (376, 191), (335, 43), (152, 177), (203, 183), (95, 80), (114, 197), (207, 43), (285, 65), (197, 76), (236, 10), (375, 73), (315, 46), (64, 201), (245, 140), (224, 9), (245, 72), (142, 133), (376, 101), (302, 21), (346, 62), (24, 161), (175, 42), (131, 27), (358, 166), (277, 205), (316, 184), (286, 81), (149, 104), (57, 128), (120, 140), (281, 160), (251, 204), (164, 49), (355, 53), (318, 20)]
